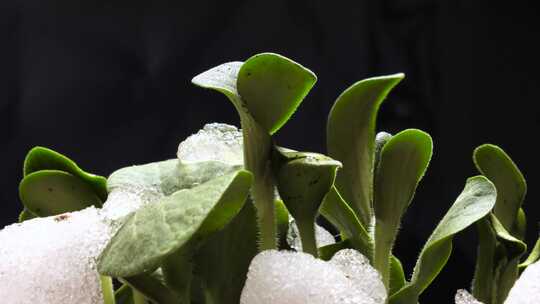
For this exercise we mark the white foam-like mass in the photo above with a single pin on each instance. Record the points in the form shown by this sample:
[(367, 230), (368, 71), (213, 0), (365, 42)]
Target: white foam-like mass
[(526, 290), (357, 268), (322, 236), (215, 141), (287, 277), (464, 297), (53, 260)]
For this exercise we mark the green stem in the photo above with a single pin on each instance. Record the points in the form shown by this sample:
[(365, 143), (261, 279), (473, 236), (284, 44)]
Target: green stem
[(384, 240), (257, 151), (307, 236), (263, 197), (107, 289)]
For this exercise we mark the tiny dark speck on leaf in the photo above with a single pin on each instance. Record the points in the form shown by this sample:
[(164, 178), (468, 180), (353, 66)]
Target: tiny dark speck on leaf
[(249, 74), (50, 189)]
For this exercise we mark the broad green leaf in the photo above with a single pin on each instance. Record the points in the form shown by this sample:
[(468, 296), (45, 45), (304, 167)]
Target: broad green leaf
[(351, 140), (403, 161), (221, 264), (158, 230), (475, 202), (163, 178), (51, 192), (496, 165), (40, 158), (272, 87), (336, 210), (303, 179), (397, 275), (533, 256)]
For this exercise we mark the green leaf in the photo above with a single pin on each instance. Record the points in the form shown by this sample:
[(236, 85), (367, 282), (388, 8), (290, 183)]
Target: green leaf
[(163, 178), (51, 192), (221, 264), (397, 275), (158, 230), (336, 210), (303, 179), (519, 228), (351, 140), (497, 261), (533, 256), (272, 87), (40, 158), (403, 161), (496, 165), (475, 202), (508, 272)]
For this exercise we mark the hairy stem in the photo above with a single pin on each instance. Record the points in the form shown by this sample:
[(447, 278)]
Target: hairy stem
[(257, 147), (263, 196)]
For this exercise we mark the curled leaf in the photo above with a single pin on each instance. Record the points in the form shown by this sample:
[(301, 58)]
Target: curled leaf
[(351, 140), (496, 165), (51, 192), (303, 179)]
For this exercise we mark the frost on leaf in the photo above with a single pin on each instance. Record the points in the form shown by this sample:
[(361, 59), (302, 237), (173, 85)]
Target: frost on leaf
[(214, 142), (286, 277)]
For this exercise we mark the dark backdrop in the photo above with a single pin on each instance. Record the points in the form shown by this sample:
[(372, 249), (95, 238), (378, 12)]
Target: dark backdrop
[(108, 84)]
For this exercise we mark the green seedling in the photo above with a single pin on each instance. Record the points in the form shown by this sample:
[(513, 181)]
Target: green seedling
[(200, 224)]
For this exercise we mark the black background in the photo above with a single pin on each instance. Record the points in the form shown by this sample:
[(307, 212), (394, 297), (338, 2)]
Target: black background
[(108, 84)]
